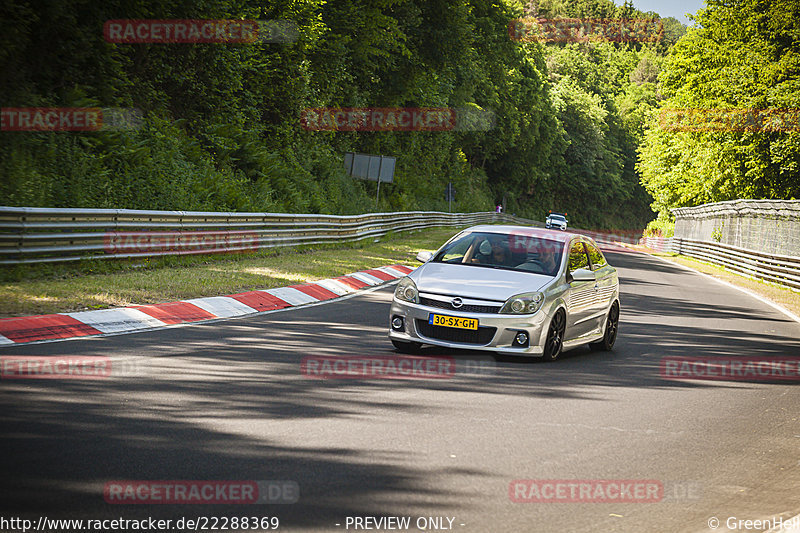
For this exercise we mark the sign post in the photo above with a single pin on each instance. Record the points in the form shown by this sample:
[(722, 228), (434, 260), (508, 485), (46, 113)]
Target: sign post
[(449, 195)]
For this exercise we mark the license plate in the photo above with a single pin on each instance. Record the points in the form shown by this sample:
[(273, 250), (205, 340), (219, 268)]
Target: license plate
[(452, 321)]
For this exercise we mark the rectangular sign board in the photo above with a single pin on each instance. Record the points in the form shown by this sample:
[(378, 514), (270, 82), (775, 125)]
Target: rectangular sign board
[(370, 167)]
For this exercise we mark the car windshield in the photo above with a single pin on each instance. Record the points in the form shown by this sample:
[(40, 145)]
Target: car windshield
[(558, 217), (524, 253)]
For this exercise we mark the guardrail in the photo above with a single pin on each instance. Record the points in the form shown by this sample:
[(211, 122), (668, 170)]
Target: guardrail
[(659, 244), (41, 235), (781, 269)]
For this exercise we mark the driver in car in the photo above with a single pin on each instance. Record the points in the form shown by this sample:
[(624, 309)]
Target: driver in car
[(500, 254), (547, 258)]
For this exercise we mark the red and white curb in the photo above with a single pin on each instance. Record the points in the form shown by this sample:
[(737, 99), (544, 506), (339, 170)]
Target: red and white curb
[(20, 330)]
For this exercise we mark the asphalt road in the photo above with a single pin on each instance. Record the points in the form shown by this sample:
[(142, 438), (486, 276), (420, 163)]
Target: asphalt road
[(227, 401)]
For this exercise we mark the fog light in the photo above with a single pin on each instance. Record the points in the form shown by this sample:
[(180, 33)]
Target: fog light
[(397, 323), (521, 339)]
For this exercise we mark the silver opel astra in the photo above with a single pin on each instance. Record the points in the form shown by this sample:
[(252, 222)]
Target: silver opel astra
[(509, 289)]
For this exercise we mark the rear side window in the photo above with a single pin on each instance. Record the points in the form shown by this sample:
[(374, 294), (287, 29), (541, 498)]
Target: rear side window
[(577, 257), (596, 257)]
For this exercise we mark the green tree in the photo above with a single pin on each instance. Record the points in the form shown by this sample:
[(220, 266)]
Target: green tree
[(741, 55)]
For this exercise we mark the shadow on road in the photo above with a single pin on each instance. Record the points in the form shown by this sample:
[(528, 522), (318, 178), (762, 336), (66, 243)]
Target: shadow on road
[(181, 415)]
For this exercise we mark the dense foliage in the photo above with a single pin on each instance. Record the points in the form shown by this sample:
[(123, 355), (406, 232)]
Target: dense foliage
[(742, 55), (221, 127)]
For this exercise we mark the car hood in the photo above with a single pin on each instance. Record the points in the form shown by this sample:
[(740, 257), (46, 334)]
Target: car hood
[(470, 281)]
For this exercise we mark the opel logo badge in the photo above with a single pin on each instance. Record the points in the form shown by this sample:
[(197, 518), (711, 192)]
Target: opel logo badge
[(456, 303)]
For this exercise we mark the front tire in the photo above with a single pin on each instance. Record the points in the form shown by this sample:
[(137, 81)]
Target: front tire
[(555, 336), (406, 347), (612, 328)]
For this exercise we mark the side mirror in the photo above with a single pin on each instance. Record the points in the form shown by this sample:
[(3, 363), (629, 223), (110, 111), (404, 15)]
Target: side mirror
[(424, 257), (582, 274)]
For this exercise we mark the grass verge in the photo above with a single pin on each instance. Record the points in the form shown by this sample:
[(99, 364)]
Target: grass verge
[(42, 289), (783, 296)]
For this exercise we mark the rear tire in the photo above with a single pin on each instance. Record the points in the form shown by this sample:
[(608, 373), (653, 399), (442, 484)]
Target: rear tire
[(612, 328), (407, 347), (555, 336)]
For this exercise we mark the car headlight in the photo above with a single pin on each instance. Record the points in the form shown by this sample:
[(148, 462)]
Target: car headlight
[(523, 304), (406, 290)]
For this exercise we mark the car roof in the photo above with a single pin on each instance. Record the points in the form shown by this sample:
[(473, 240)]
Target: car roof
[(528, 231)]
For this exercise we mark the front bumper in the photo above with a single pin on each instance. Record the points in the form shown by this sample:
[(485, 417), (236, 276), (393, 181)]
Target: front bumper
[(498, 335)]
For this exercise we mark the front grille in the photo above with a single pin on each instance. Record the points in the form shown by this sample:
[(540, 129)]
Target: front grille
[(483, 335), (466, 308)]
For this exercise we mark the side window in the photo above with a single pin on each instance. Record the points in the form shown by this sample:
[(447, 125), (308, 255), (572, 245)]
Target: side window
[(455, 252), (596, 257), (577, 257)]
